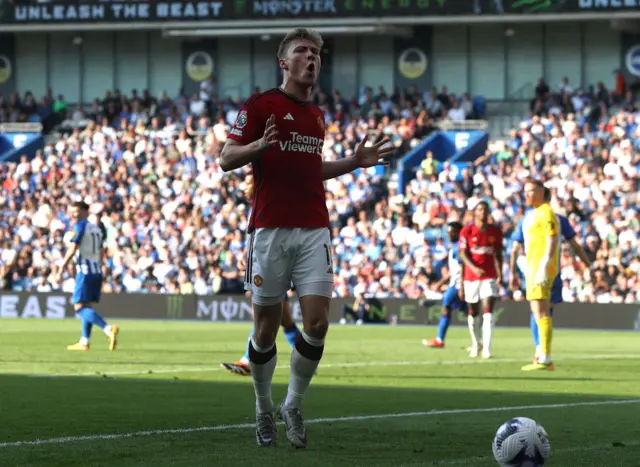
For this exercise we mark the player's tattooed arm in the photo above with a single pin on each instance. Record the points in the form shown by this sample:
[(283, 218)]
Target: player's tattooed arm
[(333, 169), (513, 264), (499, 259), (579, 251), (235, 155)]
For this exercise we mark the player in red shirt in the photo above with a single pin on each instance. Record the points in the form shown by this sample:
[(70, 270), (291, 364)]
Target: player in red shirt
[(281, 134), (481, 252)]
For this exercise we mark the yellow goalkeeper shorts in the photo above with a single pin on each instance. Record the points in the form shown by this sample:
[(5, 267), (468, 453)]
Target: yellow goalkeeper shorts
[(536, 292)]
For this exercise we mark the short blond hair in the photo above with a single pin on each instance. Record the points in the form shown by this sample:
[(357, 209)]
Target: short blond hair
[(298, 34), (535, 182)]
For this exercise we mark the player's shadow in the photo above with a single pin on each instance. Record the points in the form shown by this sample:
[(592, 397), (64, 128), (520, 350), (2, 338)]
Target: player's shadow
[(360, 425)]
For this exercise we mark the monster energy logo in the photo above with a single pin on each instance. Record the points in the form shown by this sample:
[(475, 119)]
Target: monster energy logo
[(435, 311), (378, 312), (227, 309), (532, 6), (175, 304)]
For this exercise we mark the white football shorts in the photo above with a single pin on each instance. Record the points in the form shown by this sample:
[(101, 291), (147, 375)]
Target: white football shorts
[(279, 257), (474, 291)]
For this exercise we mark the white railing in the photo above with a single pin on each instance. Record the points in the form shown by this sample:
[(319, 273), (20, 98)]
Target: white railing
[(464, 125), (34, 127)]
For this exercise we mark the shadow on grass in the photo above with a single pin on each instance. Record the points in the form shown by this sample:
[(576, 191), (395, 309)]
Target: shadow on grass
[(216, 402), (59, 407)]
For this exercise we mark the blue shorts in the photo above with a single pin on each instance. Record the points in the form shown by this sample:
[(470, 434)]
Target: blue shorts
[(451, 300), (88, 288), (556, 291)]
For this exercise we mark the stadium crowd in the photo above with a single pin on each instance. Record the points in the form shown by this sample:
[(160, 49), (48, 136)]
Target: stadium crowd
[(176, 223)]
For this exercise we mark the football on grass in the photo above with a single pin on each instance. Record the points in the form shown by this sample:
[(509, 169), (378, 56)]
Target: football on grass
[(521, 442)]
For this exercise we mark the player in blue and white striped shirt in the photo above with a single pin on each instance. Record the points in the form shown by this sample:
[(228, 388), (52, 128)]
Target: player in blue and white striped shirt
[(86, 249), (451, 300)]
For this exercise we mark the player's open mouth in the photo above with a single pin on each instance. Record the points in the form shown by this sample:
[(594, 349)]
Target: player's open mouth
[(311, 67)]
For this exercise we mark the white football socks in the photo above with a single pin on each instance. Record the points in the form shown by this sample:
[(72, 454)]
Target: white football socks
[(302, 371), (262, 375), (487, 333), (473, 323)]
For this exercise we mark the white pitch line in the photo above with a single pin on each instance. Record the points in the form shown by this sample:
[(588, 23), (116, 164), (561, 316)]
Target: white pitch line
[(177, 431), (107, 373)]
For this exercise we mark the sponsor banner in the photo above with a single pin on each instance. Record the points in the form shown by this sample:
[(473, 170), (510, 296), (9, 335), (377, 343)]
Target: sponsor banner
[(517, 314), (35, 11), (27, 305), (118, 11), (630, 56), (227, 308), (198, 64), (7, 65), (224, 308), (412, 60)]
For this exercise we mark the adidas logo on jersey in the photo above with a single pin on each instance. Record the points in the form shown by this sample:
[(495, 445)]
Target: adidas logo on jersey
[(288, 117)]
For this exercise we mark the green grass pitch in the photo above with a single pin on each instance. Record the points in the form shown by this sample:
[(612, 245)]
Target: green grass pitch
[(380, 398)]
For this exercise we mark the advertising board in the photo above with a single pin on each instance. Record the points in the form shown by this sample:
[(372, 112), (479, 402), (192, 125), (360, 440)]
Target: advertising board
[(237, 308)]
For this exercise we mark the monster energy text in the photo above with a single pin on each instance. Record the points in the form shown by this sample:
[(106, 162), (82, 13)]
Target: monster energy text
[(175, 304)]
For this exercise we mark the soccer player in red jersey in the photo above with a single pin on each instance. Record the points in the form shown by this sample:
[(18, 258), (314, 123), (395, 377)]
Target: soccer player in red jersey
[(481, 252), (281, 134)]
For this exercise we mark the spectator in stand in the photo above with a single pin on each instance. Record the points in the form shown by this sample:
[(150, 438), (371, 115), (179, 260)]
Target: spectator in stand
[(590, 158), (176, 225), (16, 110)]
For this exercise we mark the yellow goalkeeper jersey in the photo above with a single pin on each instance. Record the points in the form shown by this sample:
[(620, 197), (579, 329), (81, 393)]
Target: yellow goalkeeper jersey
[(537, 227)]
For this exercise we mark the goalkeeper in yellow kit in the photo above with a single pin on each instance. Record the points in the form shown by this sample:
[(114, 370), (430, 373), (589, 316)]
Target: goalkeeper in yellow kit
[(541, 231)]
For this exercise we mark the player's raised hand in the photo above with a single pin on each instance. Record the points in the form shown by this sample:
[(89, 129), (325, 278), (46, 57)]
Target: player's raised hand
[(376, 154), (270, 136)]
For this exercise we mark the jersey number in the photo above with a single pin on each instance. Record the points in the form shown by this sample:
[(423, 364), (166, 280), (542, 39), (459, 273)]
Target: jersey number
[(95, 241)]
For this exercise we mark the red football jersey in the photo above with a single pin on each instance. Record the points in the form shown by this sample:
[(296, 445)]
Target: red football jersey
[(289, 187), (481, 246)]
